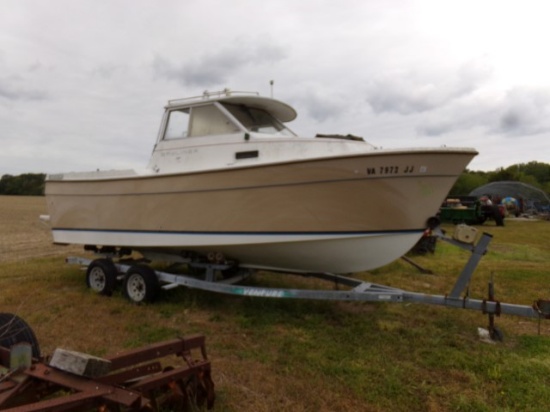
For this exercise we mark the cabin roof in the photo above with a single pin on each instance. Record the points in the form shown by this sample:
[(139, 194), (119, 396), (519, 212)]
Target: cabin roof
[(280, 110)]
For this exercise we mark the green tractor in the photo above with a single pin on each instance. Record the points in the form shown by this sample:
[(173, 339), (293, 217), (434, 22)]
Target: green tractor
[(471, 210)]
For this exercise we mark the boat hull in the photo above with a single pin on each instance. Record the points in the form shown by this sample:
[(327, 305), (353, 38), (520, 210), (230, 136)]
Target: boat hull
[(342, 214)]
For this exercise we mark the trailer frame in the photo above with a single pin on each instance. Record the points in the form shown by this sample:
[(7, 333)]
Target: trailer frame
[(357, 290)]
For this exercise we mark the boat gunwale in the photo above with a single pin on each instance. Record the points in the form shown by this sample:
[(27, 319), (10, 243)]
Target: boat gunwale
[(375, 153)]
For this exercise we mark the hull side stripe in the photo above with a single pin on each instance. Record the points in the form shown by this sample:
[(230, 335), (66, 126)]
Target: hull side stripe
[(172, 232)]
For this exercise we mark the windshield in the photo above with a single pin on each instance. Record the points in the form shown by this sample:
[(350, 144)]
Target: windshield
[(257, 120)]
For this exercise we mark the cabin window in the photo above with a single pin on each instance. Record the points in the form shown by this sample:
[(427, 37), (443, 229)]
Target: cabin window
[(178, 124), (257, 120), (209, 120), (198, 121)]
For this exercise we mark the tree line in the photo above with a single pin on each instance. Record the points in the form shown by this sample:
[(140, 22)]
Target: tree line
[(28, 184), (536, 174), (533, 173)]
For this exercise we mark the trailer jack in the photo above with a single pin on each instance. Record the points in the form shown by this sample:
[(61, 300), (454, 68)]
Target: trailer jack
[(494, 332)]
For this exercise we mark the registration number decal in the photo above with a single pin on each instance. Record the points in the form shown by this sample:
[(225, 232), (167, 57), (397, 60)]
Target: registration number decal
[(390, 170)]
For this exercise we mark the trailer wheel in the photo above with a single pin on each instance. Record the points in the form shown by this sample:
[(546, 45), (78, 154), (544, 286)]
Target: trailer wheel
[(14, 330), (101, 276), (141, 284)]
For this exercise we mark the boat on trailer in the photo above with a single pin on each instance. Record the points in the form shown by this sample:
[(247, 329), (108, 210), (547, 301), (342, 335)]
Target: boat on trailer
[(229, 181)]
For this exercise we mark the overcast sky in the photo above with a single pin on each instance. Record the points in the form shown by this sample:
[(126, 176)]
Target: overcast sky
[(83, 83)]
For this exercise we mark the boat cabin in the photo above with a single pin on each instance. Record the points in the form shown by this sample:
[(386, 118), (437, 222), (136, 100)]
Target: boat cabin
[(234, 129), (226, 113)]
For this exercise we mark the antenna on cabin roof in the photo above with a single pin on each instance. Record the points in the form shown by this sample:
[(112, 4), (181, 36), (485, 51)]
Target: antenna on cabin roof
[(271, 84)]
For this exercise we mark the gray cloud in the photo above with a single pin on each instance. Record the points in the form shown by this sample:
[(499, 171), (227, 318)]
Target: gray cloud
[(216, 68), (435, 129), (459, 116), (10, 90), (108, 71), (519, 112), (412, 92), (525, 111), (20, 86), (321, 106)]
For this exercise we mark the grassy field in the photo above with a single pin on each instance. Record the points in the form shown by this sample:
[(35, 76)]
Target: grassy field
[(273, 355)]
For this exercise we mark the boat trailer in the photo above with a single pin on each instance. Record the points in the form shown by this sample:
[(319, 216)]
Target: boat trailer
[(141, 283), (135, 380)]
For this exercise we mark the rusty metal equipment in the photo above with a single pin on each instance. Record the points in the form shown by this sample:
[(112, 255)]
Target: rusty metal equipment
[(137, 381)]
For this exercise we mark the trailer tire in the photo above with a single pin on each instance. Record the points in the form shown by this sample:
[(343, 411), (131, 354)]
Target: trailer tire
[(101, 276), (141, 284), (14, 330)]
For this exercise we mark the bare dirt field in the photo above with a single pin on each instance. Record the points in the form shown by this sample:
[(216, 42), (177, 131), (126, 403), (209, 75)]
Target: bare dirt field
[(23, 235)]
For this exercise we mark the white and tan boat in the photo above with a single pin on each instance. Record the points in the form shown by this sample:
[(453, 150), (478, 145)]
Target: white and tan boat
[(227, 177)]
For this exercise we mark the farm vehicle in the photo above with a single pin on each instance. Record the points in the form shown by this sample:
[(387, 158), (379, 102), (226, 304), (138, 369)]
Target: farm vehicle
[(471, 210)]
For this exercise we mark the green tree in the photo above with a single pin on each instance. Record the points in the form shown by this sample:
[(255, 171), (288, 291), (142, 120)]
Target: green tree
[(501, 174), (28, 184), (468, 181), (540, 171), (530, 180)]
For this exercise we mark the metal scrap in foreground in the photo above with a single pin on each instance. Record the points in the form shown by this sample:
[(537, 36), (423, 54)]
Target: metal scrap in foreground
[(135, 380)]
